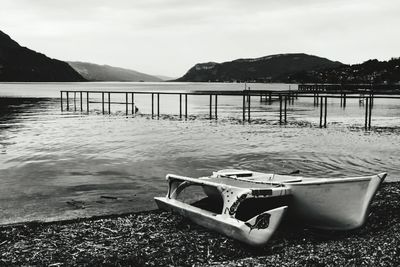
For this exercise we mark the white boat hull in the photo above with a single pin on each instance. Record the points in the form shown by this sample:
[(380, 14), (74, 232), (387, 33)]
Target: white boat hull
[(234, 228), (334, 204)]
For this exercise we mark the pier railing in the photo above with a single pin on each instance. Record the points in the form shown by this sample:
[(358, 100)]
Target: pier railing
[(382, 89), (76, 100)]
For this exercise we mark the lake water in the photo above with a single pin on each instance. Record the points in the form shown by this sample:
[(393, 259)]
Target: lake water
[(59, 165)]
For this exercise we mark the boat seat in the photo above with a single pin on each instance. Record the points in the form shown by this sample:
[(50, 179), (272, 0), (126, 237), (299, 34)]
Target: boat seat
[(256, 177)]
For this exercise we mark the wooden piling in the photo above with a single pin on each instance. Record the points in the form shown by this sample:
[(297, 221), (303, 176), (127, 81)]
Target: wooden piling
[(102, 102), (61, 100), (248, 107), (158, 106), (126, 103), (109, 103), (280, 108), (133, 104), (286, 100), (152, 105), (270, 97), (74, 101), (344, 100), (341, 99), (315, 99), (370, 112), (180, 106), (371, 102), (80, 98), (320, 114), (186, 107), (326, 109), (67, 101), (87, 102), (244, 106), (210, 107), (366, 112), (216, 106)]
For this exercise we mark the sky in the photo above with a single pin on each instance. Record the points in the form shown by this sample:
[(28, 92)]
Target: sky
[(167, 37)]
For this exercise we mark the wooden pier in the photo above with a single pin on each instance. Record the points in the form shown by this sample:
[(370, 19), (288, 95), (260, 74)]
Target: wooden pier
[(82, 100)]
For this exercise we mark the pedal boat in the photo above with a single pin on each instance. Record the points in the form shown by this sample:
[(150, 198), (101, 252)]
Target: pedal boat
[(322, 203)]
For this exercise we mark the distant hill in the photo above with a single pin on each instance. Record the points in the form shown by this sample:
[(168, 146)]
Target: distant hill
[(165, 78), (273, 68), (20, 64), (95, 72), (371, 71)]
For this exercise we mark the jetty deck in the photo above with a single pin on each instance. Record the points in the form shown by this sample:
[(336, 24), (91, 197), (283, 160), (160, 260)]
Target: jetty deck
[(81, 100)]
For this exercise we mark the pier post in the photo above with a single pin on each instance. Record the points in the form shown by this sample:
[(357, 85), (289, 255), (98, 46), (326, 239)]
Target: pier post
[(280, 108), (61, 100), (74, 101), (210, 106), (371, 101), (152, 105), (320, 114), (186, 107), (87, 101), (180, 106), (341, 99), (248, 107), (109, 103), (158, 106), (326, 109), (286, 100), (126, 103), (216, 107), (366, 112), (80, 98), (270, 97), (133, 104), (102, 102), (344, 100), (315, 99), (67, 101), (244, 106)]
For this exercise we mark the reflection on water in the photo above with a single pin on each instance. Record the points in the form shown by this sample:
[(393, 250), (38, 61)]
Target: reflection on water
[(62, 165)]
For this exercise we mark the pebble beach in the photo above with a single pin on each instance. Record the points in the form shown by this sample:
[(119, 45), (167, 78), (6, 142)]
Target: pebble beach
[(158, 238)]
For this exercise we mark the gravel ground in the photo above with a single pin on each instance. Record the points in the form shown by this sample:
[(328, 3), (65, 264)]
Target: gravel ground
[(158, 238)]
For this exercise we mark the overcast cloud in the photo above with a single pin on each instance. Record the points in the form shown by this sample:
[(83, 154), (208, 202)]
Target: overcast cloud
[(169, 36)]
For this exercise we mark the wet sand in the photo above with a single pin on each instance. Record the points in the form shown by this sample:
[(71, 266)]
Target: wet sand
[(157, 238)]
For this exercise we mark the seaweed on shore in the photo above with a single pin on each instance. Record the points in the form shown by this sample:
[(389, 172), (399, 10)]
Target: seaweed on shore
[(158, 238)]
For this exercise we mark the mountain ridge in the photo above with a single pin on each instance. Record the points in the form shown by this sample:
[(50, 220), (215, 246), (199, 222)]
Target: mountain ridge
[(370, 71), (97, 72), (261, 69), (21, 64)]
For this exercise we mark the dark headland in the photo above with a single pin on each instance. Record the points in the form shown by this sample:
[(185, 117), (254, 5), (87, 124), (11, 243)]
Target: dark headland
[(295, 68), (21, 64), (156, 238)]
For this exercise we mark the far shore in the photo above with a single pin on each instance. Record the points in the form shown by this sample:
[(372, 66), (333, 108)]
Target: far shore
[(158, 238)]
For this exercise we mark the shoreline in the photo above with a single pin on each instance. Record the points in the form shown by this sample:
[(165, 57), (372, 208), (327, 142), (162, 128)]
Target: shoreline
[(105, 216), (157, 238)]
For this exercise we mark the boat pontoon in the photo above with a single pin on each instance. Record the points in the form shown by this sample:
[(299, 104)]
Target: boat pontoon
[(253, 203)]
